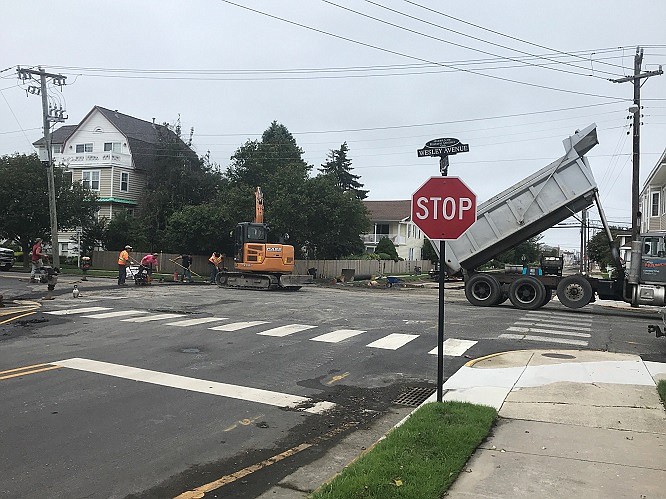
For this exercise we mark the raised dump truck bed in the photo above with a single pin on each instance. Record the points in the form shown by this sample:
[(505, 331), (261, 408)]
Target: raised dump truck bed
[(547, 197)]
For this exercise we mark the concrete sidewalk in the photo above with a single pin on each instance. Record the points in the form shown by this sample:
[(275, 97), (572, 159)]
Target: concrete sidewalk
[(572, 424)]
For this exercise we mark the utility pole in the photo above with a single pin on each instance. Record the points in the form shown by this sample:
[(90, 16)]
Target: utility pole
[(49, 114), (636, 110)]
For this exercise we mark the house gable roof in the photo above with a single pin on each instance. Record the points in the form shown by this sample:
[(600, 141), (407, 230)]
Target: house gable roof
[(657, 176), (389, 211), (58, 136)]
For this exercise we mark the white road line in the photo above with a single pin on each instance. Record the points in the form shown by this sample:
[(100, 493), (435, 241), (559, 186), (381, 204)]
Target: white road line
[(557, 318), (393, 341), (454, 347), (71, 311), (194, 322), (543, 339), (118, 313), (157, 317), (235, 326), (286, 330), (551, 324), (196, 385), (337, 336), (547, 331), (563, 316)]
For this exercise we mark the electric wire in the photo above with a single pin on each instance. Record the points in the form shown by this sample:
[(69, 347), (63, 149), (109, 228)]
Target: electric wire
[(382, 49)]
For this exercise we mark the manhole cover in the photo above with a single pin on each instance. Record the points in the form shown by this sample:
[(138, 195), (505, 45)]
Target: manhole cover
[(190, 350), (414, 396), (558, 355)]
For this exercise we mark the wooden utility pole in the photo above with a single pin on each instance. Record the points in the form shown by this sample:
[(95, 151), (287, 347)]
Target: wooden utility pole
[(48, 115), (636, 110)]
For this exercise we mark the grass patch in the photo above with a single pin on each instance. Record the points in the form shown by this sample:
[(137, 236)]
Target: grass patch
[(661, 389), (420, 459)]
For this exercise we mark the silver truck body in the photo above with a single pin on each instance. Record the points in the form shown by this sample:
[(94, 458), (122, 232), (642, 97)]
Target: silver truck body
[(531, 206)]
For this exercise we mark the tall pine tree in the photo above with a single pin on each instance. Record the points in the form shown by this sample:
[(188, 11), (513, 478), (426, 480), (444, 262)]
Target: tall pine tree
[(338, 165)]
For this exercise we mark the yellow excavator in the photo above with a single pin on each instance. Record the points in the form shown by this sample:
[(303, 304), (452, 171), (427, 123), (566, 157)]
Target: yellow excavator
[(258, 263)]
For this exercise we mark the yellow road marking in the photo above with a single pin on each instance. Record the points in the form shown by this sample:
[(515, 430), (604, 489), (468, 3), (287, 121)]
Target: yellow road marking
[(17, 317), (337, 377), (24, 373), (201, 491), (23, 368), (243, 422)]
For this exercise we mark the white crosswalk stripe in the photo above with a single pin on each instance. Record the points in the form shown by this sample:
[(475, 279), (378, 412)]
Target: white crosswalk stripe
[(70, 311), (150, 318), (236, 326), (550, 325), (282, 331), (543, 339), (195, 322), (117, 313), (337, 336), (393, 341), (547, 331), (453, 347)]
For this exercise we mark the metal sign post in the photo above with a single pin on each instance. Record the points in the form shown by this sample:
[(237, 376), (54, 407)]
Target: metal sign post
[(451, 201)]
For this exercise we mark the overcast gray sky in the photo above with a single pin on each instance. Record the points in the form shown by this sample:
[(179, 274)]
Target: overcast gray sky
[(512, 79)]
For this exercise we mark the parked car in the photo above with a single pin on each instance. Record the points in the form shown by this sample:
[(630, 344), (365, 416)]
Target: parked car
[(6, 258)]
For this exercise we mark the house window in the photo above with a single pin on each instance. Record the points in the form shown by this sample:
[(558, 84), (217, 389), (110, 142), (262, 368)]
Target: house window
[(90, 179), (654, 211), (409, 230), (84, 147), (382, 229), (67, 177), (57, 148), (124, 182), (112, 146), (130, 212)]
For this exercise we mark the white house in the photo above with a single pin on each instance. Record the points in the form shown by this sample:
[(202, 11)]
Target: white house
[(392, 219), (110, 153), (653, 198)]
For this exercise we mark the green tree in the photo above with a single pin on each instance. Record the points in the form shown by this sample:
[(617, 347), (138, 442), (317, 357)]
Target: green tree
[(123, 229), (334, 220), (199, 229), (526, 252), (386, 246), (24, 200), (338, 165), (598, 248), (178, 178), (428, 251)]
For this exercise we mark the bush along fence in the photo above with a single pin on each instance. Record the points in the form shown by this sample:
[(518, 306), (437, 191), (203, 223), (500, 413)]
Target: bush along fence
[(362, 269)]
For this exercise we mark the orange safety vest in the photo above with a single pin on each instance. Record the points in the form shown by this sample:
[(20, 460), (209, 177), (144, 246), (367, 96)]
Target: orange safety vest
[(123, 257), (215, 260)]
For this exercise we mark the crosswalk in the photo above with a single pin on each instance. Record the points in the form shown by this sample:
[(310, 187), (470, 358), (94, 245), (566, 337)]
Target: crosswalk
[(537, 326), (551, 327), (391, 341)]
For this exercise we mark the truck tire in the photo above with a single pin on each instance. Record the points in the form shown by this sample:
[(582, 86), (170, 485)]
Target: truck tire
[(574, 291), (527, 293), (483, 290), (548, 297)]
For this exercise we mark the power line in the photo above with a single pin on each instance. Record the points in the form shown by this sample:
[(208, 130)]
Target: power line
[(462, 34), (497, 32), (375, 47)]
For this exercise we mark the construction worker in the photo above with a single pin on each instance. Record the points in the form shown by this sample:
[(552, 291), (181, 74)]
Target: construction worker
[(215, 264), (149, 262), (123, 262), (37, 259), (187, 264)]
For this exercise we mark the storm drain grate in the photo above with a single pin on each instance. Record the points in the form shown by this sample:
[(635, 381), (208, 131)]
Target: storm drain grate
[(414, 396)]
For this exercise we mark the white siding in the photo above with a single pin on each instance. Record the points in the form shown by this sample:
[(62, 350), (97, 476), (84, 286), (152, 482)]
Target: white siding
[(96, 130)]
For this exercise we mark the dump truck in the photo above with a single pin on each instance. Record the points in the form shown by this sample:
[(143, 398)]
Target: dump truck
[(549, 196), (259, 264)]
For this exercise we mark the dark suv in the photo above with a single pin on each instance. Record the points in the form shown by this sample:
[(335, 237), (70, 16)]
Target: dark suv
[(6, 258)]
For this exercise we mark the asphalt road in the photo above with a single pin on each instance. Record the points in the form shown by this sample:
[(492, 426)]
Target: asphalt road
[(155, 391)]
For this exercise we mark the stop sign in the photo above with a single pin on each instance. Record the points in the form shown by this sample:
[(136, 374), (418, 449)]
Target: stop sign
[(443, 208)]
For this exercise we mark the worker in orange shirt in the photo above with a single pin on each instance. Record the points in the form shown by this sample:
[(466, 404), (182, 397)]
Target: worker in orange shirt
[(215, 264), (123, 262)]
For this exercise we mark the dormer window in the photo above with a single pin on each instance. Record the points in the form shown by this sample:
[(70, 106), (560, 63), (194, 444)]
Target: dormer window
[(98, 130), (84, 148)]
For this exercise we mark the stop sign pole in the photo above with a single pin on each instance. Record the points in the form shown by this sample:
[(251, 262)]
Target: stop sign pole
[(443, 208)]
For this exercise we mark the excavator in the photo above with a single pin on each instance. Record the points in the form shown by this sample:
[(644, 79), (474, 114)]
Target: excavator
[(259, 264)]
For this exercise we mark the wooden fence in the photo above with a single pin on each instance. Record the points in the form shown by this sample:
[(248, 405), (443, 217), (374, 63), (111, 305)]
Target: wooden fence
[(108, 260)]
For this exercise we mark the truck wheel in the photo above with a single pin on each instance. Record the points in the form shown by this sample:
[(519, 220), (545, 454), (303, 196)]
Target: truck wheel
[(574, 291), (527, 293), (548, 296), (221, 279), (483, 290)]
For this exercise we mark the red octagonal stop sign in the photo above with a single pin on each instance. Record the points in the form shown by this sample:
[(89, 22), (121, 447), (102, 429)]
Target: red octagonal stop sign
[(443, 208)]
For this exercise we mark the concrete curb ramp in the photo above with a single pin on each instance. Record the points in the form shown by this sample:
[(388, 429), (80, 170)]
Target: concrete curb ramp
[(572, 424)]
